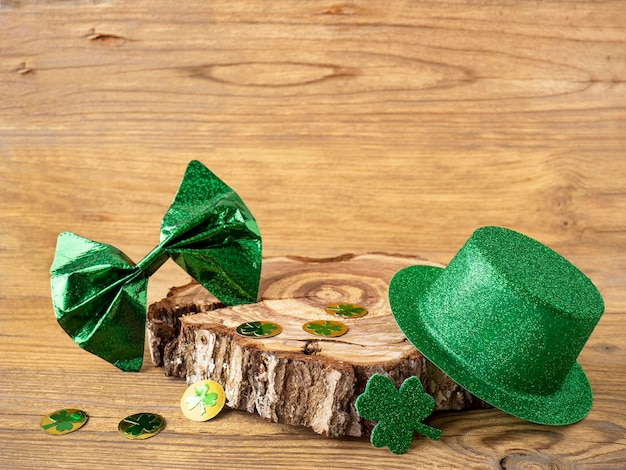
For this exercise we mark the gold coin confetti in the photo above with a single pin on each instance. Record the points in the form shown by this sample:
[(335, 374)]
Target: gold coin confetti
[(203, 400), (258, 329), (141, 425), (63, 421), (346, 310), (325, 328)]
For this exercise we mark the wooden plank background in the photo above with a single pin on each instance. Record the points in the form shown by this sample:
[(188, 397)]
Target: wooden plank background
[(354, 126)]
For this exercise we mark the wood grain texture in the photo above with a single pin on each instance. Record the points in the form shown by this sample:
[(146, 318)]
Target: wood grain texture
[(346, 127)]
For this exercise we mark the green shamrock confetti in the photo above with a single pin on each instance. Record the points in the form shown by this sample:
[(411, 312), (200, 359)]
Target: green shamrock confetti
[(202, 398), (346, 310), (258, 329), (64, 421), (141, 425), (398, 413), (325, 328)]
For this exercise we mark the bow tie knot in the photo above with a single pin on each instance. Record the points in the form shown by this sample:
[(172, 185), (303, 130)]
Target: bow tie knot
[(153, 261)]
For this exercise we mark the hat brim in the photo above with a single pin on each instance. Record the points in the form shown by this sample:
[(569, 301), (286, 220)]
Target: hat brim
[(569, 404)]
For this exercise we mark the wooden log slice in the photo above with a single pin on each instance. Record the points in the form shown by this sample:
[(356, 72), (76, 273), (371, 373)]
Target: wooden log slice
[(296, 377)]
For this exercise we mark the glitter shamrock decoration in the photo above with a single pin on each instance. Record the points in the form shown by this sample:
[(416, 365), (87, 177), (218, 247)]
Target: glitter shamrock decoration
[(398, 412), (202, 398)]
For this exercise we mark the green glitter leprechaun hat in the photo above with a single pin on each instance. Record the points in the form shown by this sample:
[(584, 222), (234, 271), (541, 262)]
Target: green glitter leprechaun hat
[(506, 320)]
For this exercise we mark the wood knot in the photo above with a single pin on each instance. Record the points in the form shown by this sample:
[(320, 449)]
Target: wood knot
[(340, 10), (533, 461), (311, 348), (271, 74), (23, 69), (105, 38)]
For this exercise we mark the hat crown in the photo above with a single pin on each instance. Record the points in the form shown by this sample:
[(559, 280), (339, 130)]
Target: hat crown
[(513, 310), (539, 271)]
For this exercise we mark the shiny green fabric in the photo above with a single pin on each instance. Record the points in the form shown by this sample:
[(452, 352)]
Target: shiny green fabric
[(99, 294)]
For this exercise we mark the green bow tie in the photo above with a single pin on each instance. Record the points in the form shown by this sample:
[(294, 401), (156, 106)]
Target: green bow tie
[(99, 294)]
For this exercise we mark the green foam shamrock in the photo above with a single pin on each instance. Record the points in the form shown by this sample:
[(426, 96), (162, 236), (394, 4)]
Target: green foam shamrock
[(398, 412), (201, 398)]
